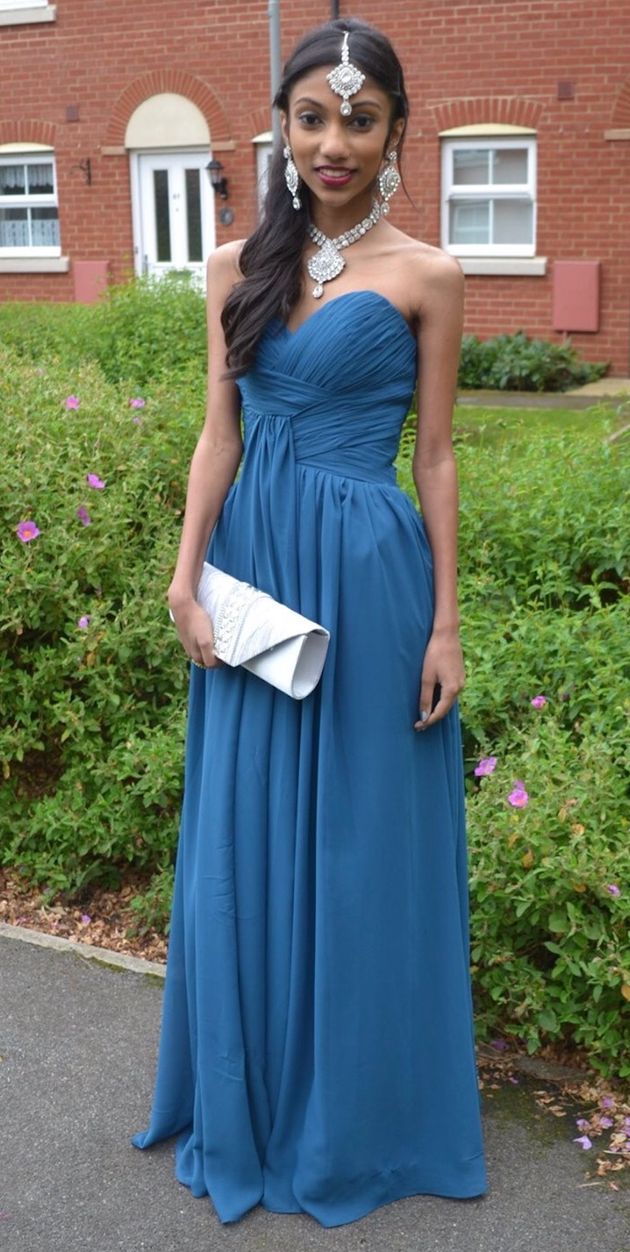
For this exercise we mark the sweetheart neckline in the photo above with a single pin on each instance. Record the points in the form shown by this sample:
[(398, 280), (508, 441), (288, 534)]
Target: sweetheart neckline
[(360, 291)]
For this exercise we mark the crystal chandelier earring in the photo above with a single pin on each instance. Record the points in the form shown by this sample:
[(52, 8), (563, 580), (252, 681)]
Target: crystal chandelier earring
[(291, 176), (389, 180)]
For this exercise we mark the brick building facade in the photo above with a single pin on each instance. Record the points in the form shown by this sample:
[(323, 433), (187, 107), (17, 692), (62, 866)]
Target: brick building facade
[(517, 156)]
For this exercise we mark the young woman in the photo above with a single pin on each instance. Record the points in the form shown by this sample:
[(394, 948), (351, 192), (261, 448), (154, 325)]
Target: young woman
[(317, 1044)]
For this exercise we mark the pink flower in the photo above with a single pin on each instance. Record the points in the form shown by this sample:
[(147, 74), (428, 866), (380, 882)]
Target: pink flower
[(607, 1102), (84, 516), (85, 919), (606, 1122), (486, 765), (581, 1123), (518, 797), (27, 531), (137, 421), (538, 702), (95, 481), (84, 621), (499, 1044), (585, 1142), (137, 403), (613, 889), (72, 402)]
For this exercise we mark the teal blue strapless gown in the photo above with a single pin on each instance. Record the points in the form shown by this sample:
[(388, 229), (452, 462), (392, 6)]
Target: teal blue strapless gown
[(317, 1042)]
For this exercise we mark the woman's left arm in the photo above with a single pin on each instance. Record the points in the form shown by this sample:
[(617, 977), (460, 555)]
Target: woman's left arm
[(441, 318)]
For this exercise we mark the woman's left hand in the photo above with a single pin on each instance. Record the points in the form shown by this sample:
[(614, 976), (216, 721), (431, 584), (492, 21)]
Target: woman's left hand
[(443, 667)]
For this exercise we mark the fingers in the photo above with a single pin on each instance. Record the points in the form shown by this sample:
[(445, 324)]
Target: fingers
[(196, 637), (435, 702), (201, 651), (204, 657), (429, 693)]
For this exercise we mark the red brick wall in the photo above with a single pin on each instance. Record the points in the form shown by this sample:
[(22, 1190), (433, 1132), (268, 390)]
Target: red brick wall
[(465, 53)]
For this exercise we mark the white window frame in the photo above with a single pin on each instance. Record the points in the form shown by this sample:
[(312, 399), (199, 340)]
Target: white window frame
[(488, 191), (23, 4), (25, 156)]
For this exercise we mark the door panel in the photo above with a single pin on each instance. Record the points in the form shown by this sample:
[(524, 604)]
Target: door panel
[(174, 213)]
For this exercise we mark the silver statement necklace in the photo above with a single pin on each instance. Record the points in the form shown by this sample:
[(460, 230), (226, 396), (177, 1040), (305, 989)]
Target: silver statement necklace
[(328, 262)]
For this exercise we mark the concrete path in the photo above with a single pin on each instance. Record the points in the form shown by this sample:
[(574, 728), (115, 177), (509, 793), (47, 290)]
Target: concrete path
[(78, 1042), (610, 390), (603, 387)]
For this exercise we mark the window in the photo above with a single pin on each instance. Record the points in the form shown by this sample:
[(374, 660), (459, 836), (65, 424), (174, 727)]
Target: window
[(489, 197), (29, 219)]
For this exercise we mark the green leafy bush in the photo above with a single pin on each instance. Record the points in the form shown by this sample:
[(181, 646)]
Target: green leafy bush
[(518, 363), (92, 679), (549, 885), (91, 743), (151, 329), (147, 329), (141, 331), (37, 332)]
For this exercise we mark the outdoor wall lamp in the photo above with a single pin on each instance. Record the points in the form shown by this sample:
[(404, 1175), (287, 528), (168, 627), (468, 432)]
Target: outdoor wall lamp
[(86, 169), (218, 181)]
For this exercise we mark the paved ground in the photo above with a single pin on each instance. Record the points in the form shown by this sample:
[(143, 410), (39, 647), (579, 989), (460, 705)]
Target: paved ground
[(77, 1042), (615, 390), (603, 387)]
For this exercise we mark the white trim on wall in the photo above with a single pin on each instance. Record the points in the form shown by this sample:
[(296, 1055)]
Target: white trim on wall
[(21, 12)]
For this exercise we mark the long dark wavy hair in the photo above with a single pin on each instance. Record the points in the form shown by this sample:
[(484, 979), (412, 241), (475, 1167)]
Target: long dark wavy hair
[(271, 258)]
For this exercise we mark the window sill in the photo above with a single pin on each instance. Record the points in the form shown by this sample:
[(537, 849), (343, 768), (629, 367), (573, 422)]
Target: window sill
[(19, 17), (526, 265), (34, 265)]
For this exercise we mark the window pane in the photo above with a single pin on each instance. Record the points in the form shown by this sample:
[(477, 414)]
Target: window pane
[(14, 228), (45, 228), (469, 221), (162, 220), (471, 165), (12, 180), (40, 180), (509, 165), (193, 215), (513, 221)]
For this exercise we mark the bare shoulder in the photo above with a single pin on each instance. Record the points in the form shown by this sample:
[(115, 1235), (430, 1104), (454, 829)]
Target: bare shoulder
[(222, 266), (426, 278), (435, 277)]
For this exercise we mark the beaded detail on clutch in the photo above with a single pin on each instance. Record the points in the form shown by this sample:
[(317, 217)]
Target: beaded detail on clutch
[(230, 614)]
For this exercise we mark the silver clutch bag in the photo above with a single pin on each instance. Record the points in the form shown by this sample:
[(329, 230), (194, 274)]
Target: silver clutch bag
[(265, 637)]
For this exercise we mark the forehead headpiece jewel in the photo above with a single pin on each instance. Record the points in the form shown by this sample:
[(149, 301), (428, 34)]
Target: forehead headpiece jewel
[(345, 80)]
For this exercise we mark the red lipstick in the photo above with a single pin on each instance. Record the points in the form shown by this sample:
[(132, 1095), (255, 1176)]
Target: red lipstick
[(338, 178)]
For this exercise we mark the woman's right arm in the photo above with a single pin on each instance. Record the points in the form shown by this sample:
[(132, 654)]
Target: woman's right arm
[(212, 469)]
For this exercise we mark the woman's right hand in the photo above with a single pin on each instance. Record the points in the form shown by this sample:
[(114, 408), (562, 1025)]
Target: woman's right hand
[(194, 628)]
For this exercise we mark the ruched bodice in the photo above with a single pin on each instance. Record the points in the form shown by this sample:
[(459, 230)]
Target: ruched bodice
[(344, 407), (317, 1046)]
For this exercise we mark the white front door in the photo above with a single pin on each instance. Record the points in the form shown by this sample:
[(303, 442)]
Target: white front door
[(173, 212)]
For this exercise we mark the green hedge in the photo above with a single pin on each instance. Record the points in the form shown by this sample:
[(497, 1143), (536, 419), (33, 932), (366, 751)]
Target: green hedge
[(93, 717), (91, 743), (139, 332), (147, 329), (517, 363)]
